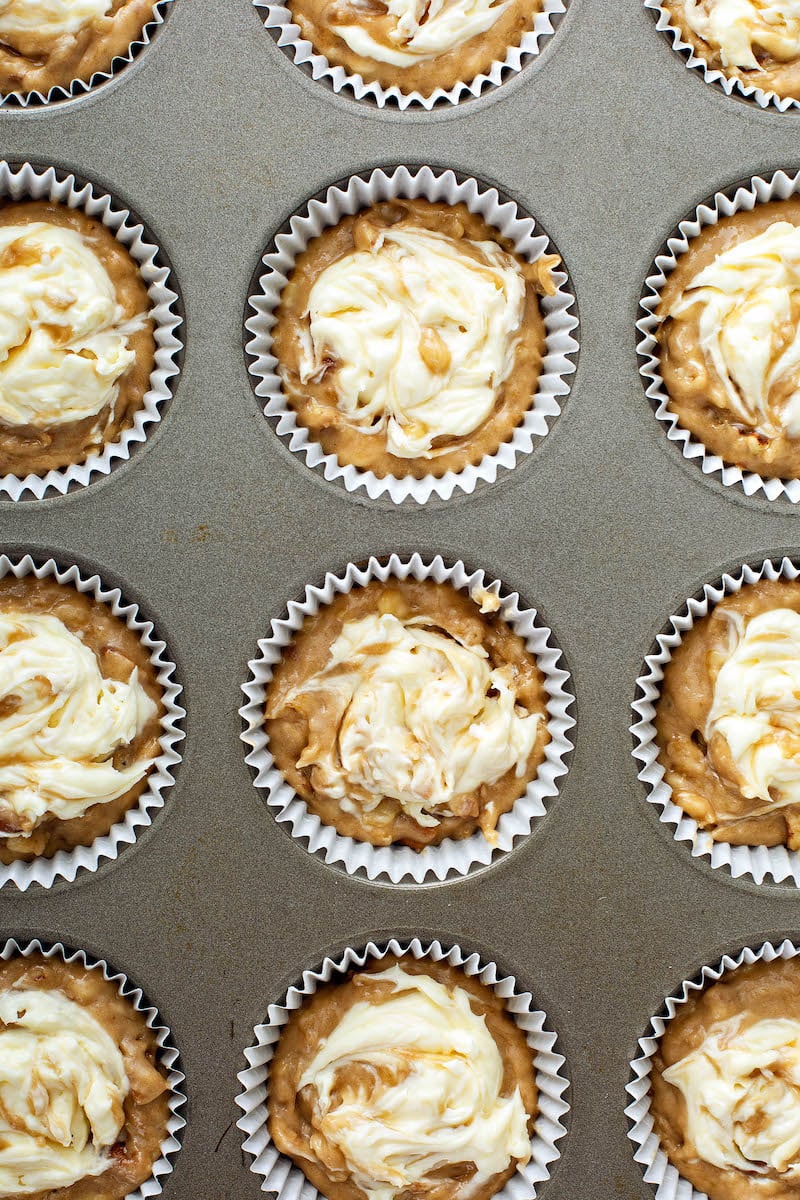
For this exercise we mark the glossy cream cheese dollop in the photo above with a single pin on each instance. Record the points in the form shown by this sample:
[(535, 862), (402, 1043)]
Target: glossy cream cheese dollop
[(423, 333), (63, 1084), (740, 28), (749, 300), (742, 1091), (49, 17), (423, 29), (60, 723), (422, 718), (756, 707), (425, 1093), (63, 335)]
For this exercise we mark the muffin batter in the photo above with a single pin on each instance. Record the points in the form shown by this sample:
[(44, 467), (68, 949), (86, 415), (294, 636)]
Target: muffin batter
[(402, 713), (408, 1079), (410, 338)]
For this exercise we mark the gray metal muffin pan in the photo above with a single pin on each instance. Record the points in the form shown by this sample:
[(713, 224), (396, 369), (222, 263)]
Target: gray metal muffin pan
[(214, 137)]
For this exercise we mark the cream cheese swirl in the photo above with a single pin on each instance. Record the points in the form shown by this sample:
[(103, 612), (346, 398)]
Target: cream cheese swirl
[(739, 28), (63, 1084), (63, 335), (51, 17), (423, 333), (756, 707), (60, 724), (742, 1091), (424, 29), (412, 1085), (422, 718), (749, 300)]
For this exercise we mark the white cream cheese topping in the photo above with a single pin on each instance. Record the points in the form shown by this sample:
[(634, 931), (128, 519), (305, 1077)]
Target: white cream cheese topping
[(60, 723), (756, 707), (742, 27), (429, 1093), (51, 17), (62, 1088), (63, 336), (742, 1093), (423, 718), (423, 333), (424, 29), (749, 332)]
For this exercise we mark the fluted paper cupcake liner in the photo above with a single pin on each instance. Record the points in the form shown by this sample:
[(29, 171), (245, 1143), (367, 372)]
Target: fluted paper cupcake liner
[(351, 196), (66, 864), (759, 862), (658, 1170), (279, 1174), (743, 198), (26, 182), (167, 1053), (278, 17), (400, 864), (60, 94), (730, 84)]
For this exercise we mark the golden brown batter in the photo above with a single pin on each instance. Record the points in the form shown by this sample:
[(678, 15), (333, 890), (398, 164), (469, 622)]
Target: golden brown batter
[(763, 991), (696, 394), (36, 61), (293, 1124), (118, 651), (705, 780), (318, 21), (147, 1104), (315, 401), (295, 723), (772, 75)]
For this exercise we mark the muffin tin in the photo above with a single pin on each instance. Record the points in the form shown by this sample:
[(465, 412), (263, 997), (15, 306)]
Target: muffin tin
[(215, 137)]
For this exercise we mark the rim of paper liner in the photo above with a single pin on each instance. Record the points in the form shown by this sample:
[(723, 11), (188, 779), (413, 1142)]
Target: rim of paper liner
[(775, 863), (352, 196), (729, 84), (741, 197), (168, 1056), (36, 101), (658, 1170), (281, 1176), (398, 864), (25, 182), (66, 864), (288, 36)]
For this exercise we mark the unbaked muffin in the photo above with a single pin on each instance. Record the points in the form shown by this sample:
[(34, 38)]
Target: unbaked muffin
[(80, 713), (728, 718), (84, 1101), (410, 338), (726, 1085), (76, 339), (402, 712), (729, 339), (415, 45), (49, 43), (408, 1078), (756, 41)]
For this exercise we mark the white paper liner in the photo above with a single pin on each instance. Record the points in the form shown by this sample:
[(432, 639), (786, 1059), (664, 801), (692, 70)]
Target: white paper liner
[(658, 1170), (25, 182), (20, 101), (167, 1053), (744, 198), (759, 862), (350, 197), (66, 864), (279, 17), (281, 1176), (730, 84), (401, 864)]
